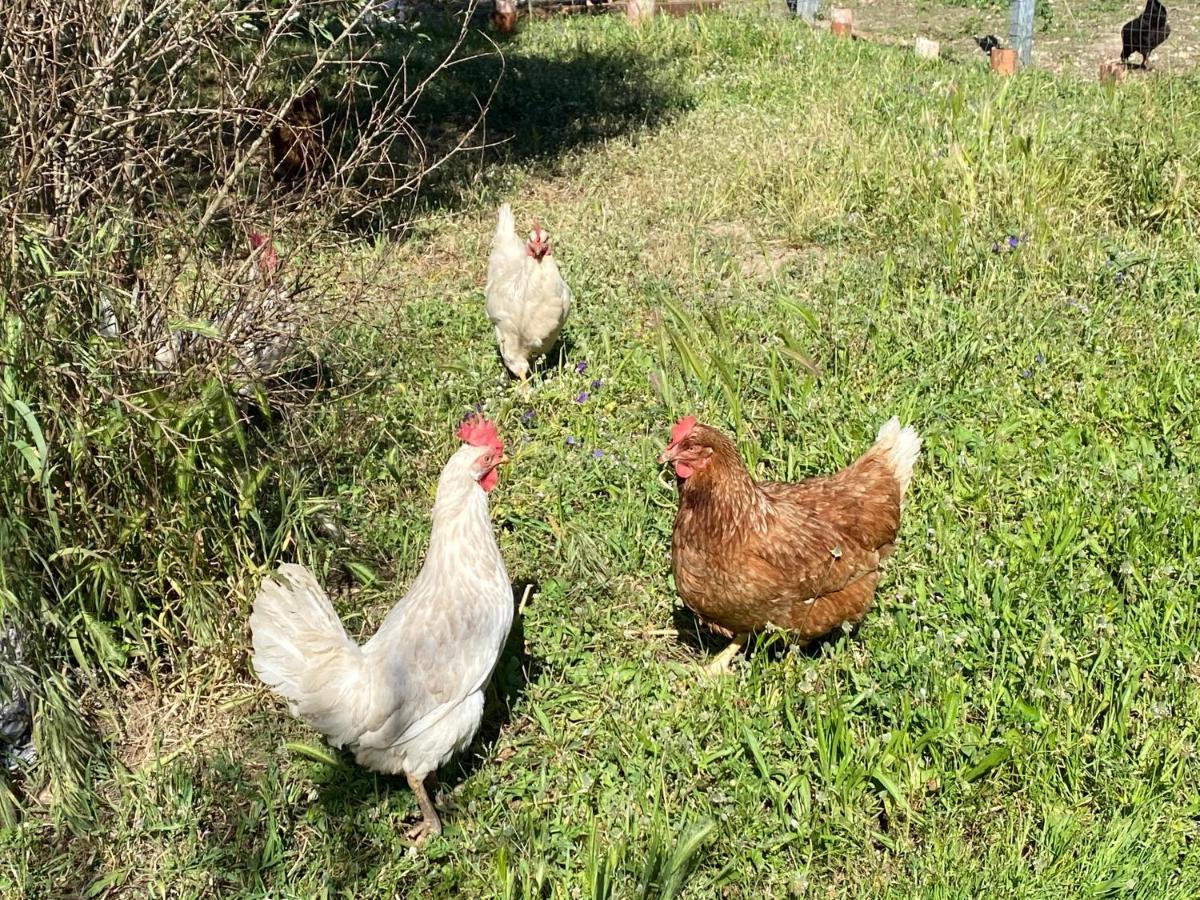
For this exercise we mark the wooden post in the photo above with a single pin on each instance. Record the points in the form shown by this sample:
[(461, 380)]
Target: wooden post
[(1020, 32), (843, 22), (1004, 61), (1113, 72), (927, 49), (638, 11), (807, 9)]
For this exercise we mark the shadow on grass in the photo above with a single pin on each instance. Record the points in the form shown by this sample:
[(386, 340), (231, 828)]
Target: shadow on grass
[(543, 102), (553, 364), (774, 646)]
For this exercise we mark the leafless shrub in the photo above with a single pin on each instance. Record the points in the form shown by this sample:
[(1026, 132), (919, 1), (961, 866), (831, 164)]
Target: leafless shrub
[(142, 135), (169, 171)]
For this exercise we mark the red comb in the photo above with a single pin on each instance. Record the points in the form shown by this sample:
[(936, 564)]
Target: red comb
[(682, 428), (479, 432), (267, 260)]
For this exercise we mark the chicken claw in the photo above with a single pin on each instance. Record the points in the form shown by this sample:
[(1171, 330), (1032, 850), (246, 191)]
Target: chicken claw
[(430, 823), (720, 665), (422, 831)]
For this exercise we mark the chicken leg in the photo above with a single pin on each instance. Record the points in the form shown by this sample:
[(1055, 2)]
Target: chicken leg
[(721, 663), (430, 823)]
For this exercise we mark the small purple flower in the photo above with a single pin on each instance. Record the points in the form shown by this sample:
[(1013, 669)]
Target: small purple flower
[(1039, 359), (528, 416), (597, 384), (597, 454), (571, 440), (581, 366), (1013, 242), (1028, 373), (582, 398)]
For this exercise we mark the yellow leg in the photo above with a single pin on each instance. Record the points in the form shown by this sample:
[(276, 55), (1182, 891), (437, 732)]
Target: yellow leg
[(721, 663)]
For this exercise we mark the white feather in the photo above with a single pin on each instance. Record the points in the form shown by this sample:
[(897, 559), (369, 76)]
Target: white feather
[(527, 300), (412, 695), (902, 446)]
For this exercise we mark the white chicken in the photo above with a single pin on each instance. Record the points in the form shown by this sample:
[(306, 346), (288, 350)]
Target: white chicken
[(412, 695), (261, 327), (527, 299)]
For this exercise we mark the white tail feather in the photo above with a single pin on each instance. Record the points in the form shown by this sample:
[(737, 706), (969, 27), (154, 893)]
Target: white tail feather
[(508, 256), (302, 651), (902, 446), (505, 223)]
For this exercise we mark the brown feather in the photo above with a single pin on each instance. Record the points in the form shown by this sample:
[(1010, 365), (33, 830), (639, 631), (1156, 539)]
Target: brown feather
[(297, 145), (801, 556)]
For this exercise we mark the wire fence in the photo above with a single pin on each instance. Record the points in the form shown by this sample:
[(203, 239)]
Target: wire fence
[(1137, 37)]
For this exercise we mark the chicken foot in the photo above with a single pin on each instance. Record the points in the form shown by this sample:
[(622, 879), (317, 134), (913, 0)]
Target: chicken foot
[(721, 664), (430, 823)]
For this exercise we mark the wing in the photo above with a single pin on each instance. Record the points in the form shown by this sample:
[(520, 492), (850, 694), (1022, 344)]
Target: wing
[(825, 534), (804, 554), (506, 289), (434, 654), (546, 303)]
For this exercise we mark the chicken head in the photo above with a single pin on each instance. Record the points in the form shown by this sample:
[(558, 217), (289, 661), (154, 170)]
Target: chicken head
[(479, 432), (539, 243), (687, 449)]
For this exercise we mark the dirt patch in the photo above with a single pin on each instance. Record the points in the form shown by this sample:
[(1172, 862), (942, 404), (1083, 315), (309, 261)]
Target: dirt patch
[(1071, 37), (153, 721)]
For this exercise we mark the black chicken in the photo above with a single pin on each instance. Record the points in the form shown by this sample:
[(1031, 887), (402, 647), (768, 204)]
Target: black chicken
[(988, 43), (1147, 31), (16, 722)]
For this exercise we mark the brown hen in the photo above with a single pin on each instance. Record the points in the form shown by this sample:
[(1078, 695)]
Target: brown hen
[(803, 557), (297, 145)]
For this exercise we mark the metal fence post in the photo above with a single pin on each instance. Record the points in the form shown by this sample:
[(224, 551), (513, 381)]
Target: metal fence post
[(807, 9), (1021, 30)]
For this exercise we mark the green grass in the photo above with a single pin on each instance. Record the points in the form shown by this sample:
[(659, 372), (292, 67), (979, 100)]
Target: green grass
[(796, 245)]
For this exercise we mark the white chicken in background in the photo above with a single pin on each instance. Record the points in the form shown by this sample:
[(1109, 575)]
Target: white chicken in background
[(412, 695), (263, 330), (261, 327), (527, 299)]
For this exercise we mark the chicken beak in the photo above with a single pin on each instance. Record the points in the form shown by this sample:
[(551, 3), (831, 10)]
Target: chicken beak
[(666, 456), (503, 459)]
